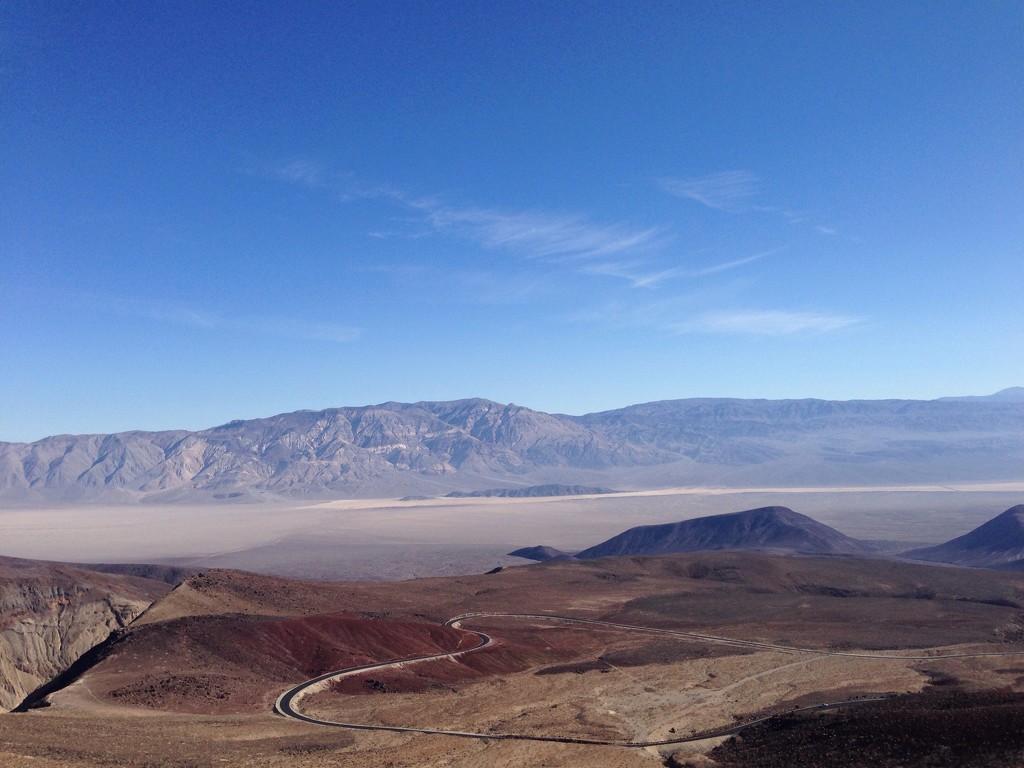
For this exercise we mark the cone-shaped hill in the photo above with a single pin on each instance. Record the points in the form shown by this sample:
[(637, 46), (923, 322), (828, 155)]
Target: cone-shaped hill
[(995, 543), (541, 554), (774, 529)]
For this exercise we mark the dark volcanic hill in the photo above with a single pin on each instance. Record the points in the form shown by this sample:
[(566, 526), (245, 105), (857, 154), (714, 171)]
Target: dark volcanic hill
[(541, 554), (432, 448), (999, 542), (775, 529)]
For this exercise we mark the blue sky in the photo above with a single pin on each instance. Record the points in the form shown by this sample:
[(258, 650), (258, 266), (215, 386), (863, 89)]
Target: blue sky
[(230, 210)]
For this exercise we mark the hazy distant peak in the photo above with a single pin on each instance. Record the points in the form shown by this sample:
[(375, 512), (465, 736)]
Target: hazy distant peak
[(1008, 395)]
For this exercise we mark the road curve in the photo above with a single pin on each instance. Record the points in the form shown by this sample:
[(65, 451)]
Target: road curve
[(287, 702)]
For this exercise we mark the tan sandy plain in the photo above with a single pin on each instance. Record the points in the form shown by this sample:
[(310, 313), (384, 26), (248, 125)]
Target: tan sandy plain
[(391, 539)]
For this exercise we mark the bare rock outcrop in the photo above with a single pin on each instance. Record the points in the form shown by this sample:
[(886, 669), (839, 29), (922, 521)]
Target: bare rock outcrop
[(51, 614)]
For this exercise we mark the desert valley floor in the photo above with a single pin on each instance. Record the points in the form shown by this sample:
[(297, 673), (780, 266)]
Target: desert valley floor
[(391, 539)]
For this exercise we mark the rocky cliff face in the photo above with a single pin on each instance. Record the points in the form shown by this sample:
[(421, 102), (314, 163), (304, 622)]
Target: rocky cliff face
[(50, 614)]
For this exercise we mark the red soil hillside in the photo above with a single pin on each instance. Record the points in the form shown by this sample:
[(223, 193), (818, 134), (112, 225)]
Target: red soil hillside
[(238, 663)]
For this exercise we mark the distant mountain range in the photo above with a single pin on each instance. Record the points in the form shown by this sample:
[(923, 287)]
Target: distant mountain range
[(434, 448)]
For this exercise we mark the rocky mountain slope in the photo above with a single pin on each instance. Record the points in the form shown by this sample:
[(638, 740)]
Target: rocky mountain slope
[(394, 449), (775, 529), (999, 542), (50, 614)]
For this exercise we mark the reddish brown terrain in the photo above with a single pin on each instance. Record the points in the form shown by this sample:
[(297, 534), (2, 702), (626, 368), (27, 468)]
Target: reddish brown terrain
[(193, 681), (225, 664)]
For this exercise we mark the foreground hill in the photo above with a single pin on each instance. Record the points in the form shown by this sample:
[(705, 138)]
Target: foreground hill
[(999, 542), (775, 529), (397, 449)]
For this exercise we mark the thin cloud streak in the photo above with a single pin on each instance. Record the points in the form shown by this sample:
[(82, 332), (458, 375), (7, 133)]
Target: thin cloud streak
[(539, 235), (721, 191), (634, 272), (640, 278), (299, 172), (731, 191), (613, 250), (715, 269), (681, 316), (302, 172), (766, 323)]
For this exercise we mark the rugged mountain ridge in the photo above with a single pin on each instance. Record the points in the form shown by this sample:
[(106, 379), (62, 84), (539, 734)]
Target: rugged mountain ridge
[(999, 542), (436, 447), (775, 529)]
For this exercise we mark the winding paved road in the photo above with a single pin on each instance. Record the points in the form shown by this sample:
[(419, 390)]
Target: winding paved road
[(288, 701)]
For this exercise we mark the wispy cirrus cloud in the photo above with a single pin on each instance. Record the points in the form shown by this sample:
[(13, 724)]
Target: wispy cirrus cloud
[(641, 256), (735, 192), (303, 172), (689, 315), (641, 276), (714, 269), (764, 322), (636, 255), (299, 171), (616, 250), (538, 234), (725, 191), (638, 274)]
